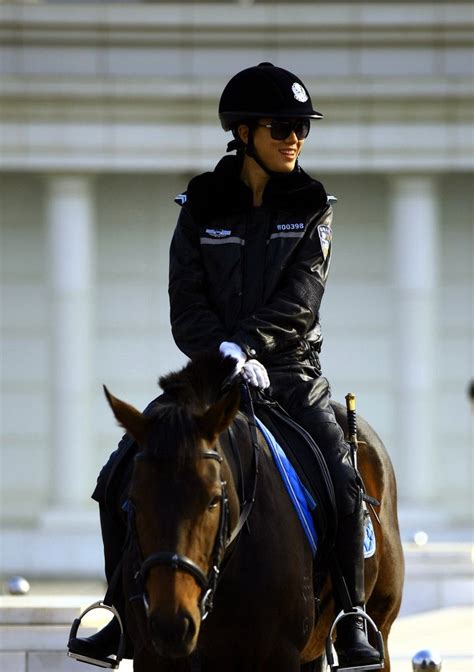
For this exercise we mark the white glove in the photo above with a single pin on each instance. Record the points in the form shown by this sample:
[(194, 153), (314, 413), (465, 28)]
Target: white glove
[(228, 349), (255, 374)]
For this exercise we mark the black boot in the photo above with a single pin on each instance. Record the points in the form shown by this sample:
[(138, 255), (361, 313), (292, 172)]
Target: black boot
[(352, 645), (98, 648)]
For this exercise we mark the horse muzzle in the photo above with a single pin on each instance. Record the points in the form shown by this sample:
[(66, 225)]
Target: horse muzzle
[(174, 637)]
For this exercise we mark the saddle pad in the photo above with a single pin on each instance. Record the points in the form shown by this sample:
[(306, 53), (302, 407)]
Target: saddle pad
[(300, 497)]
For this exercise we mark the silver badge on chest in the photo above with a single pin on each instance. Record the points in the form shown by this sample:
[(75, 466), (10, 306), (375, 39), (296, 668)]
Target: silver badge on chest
[(218, 233)]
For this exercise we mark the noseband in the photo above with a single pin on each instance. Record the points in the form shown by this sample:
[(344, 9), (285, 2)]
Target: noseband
[(178, 562)]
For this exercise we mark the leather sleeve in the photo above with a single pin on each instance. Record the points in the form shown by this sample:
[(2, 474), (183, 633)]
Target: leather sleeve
[(292, 311), (195, 326)]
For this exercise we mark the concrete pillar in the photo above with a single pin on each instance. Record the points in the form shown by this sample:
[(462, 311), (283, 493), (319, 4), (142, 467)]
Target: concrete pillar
[(415, 235), (70, 217)]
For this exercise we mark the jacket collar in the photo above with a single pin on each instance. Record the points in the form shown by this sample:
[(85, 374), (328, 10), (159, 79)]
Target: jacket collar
[(222, 192)]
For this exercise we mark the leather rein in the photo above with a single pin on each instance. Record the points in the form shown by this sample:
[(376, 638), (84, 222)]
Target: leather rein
[(224, 536)]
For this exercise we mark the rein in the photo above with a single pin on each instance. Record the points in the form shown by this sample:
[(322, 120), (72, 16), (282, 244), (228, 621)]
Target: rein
[(252, 424), (224, 537)]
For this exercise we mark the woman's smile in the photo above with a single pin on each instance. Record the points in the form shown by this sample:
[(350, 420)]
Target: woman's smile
[(289, 154)]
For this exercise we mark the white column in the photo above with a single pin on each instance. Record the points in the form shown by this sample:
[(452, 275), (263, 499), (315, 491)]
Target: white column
[(70, 215), (414, 222)]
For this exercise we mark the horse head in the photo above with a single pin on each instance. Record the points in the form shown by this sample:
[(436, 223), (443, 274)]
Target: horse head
[(183, 499)]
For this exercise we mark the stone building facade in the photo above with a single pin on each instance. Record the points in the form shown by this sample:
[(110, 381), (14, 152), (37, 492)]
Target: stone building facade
[(106, 110)]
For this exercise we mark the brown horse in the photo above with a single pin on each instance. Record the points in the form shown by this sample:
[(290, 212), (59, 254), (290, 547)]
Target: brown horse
[(204, 532)]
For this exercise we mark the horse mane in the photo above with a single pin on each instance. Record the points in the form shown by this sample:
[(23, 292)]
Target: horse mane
[(200, 383), (188, 393)]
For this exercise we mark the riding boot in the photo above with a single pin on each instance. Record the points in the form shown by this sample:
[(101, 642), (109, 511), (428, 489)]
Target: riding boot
[(97, 647), (106, 642), (352, 646)]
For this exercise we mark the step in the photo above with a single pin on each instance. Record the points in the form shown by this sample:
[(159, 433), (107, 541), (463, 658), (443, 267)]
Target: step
[(40, 661), (438, 575), (37, 637), (34, 631), (48, 661), (41, 610)]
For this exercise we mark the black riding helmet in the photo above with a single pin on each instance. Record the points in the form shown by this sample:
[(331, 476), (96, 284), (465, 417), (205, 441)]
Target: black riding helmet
[(263, 90)]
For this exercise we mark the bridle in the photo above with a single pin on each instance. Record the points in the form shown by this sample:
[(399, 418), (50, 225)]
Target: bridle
[(179, 562), (224, 536)]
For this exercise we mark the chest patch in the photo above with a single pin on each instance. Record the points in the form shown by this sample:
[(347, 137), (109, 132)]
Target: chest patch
[(218, 233), (325, 237)]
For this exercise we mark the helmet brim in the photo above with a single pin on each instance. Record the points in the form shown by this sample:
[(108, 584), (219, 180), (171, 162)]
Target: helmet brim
[(230, 119)]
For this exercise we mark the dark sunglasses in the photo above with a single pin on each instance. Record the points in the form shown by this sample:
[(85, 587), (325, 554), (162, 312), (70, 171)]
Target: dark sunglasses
[(280, 129)]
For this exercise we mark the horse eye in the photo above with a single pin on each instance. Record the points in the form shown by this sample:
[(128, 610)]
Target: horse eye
[(214, 503)]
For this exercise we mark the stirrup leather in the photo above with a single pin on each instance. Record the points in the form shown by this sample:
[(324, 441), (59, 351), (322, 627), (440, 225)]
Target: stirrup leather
[(356, 611), (107, 662)]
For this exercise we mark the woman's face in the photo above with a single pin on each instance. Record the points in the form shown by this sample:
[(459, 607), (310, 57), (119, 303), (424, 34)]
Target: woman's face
[(278, 155)]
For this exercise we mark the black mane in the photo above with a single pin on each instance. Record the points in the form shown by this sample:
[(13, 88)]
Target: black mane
[(188, 394), (200, 383)]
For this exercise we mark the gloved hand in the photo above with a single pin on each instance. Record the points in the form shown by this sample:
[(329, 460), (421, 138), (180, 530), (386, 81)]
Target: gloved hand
[(255, 374), (228, 349)]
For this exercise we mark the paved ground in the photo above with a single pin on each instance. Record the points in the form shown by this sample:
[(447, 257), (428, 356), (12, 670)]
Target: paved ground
[(449, 631)]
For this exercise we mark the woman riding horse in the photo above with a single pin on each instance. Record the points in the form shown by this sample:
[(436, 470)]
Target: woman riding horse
[(249, 262)]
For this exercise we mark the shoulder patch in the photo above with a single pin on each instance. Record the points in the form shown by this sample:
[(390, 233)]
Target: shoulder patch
[(181, 199), (325, 237)]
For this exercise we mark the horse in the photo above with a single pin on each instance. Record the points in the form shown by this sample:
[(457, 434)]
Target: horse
[(217, 573)]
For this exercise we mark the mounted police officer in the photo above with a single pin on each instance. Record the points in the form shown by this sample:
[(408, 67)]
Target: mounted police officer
[(249, 262)]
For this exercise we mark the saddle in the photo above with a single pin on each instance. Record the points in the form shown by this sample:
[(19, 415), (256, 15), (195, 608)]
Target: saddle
[(305, 458)]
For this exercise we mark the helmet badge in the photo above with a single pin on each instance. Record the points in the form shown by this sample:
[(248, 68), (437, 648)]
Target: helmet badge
[(299, 93)]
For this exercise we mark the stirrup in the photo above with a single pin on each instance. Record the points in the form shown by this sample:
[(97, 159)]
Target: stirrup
[(358, 611), (111, 663)]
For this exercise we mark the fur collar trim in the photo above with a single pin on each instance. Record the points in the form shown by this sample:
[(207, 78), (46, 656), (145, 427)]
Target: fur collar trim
[(222, 192)]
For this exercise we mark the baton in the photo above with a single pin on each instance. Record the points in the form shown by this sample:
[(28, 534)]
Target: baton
[(352, 426)]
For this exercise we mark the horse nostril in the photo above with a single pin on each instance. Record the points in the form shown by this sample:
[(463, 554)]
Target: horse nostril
[(190, 626), (172, 632), (184, 629), (185, 626)]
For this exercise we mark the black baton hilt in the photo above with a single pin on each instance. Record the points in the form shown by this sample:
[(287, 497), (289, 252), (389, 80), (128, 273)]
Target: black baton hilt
[(351, 418), (352, 427)]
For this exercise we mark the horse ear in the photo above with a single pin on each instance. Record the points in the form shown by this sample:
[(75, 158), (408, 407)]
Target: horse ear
[(128, 417), (219, 416)]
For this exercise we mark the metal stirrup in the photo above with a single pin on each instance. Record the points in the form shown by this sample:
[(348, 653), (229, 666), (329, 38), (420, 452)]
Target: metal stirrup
[(356, 611), (111, 663)]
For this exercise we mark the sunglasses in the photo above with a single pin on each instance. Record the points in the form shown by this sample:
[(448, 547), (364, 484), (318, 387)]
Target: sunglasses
[(280, 129)]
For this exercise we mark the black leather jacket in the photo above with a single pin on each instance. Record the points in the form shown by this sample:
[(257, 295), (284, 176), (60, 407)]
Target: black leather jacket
[(254, 276)]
